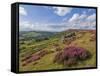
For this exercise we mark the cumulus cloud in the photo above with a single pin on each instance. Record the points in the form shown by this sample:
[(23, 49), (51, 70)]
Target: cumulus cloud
[(74, 17), (51, 27), (82, 21), (25, 26), (62, 11), (89, 10), (77, 21), (22, 11), (92, 17)]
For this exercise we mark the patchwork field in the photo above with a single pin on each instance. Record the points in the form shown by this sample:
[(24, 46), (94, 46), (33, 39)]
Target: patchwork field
[(57, 50)]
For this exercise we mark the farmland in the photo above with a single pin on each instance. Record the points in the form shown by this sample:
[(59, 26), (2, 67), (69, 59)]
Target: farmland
[(39, 50)]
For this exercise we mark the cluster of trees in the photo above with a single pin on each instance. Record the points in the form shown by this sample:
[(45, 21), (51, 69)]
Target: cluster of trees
[(41, 39)]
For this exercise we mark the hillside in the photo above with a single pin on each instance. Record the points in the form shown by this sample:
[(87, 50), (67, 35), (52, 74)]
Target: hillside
[(34, 34), (39, 54)]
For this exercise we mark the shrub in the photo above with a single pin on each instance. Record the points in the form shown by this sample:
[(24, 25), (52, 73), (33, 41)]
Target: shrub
[(58, 49), (34, 57), (58, 58), (35, 63), (26, 58), (41, 53), (24, 64), (71, 55), (71, 61)]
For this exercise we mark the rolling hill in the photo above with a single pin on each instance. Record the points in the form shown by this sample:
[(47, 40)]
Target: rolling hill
[(39, 54)]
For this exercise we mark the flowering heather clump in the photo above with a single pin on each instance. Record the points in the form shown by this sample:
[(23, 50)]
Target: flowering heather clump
[(70, 61), (27, 57), (34, 57), (71, 55), (41, 53)]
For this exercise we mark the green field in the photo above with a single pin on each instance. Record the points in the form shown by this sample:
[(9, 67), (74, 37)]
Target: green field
[(32, 44)]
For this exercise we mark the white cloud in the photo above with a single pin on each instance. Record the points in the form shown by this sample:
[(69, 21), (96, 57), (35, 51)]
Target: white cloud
[(77, 21), (74, 17), (51, 27), (22, 11), (82, 21), (62, 11), (91, 17), (89, 10), (25, 26), (83, 16)]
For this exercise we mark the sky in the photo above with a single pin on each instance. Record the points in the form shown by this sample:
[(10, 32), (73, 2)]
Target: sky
[(55, 18)]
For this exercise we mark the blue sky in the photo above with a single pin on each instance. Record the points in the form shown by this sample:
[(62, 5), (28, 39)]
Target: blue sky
[(55, 19)]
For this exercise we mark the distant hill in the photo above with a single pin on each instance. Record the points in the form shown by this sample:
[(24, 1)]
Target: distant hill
[(28, 35), (35, 34)]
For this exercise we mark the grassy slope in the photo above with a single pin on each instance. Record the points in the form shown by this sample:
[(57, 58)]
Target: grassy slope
[(46, 62)]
